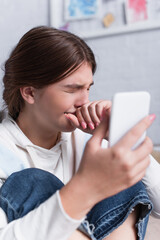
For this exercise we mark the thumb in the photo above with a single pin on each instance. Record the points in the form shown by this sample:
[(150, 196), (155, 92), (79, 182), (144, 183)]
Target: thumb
[(100, 132)]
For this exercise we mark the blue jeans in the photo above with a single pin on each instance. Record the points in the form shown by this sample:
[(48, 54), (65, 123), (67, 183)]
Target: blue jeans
[(25, 190)]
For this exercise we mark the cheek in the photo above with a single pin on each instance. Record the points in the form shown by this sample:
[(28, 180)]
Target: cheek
[(58, 103), (66, 102)]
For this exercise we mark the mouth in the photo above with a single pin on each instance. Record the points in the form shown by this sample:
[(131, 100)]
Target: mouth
[(74, 113)]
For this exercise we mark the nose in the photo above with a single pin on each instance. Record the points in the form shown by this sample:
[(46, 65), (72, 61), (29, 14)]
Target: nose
[(82, 99)]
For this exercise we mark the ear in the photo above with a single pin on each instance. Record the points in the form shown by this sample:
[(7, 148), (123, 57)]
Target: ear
[(28, 94)]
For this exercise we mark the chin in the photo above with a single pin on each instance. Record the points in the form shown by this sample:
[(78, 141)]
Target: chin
[(69, 129)]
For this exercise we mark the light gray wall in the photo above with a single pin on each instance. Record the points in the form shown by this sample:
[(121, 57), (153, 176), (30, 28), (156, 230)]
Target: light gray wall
[(16, 18), (125, 62), (129, 62)]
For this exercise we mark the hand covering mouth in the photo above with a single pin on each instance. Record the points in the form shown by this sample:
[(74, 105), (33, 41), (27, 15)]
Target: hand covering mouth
[(74, 113)]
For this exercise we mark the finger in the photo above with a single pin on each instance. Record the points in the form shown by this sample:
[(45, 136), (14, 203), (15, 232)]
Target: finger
[(137, 178), (143, 150), (93, 113), (137, 171), (81, 119), (83, 113), (130, 139), (106, 114), (73, 119), (141, 167), (102, 105), (100, 132)]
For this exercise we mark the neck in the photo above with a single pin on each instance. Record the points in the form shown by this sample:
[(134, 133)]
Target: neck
[(36, 133)]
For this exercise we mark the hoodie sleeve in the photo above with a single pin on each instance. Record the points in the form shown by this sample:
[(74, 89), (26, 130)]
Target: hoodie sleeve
[(48, 221), (152, 183)]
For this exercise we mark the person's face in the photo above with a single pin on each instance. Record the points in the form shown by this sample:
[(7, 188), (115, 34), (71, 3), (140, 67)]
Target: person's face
[(52, 102)]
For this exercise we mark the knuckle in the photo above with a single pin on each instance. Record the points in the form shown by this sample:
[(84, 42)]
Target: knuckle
[(107, 104), (118, 152), (91, 107), (78, 110), (126, 166), (98, 108), (84, 107)]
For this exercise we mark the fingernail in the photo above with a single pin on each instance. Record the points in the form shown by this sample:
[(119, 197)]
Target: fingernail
[(91, 125), (152, 117), (84, 125)]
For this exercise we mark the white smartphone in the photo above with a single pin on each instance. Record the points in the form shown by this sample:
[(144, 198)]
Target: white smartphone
[(128, 108)]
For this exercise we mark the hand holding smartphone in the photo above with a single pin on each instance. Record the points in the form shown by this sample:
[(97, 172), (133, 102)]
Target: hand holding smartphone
[(128, 109)]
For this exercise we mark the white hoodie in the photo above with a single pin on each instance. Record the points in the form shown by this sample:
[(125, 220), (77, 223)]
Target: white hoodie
[(18, 152)]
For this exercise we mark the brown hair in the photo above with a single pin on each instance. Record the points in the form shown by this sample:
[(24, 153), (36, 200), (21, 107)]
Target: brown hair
[(43, 56)]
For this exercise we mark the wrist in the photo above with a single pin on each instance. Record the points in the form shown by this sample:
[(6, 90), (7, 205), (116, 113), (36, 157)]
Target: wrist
[(76, 198)]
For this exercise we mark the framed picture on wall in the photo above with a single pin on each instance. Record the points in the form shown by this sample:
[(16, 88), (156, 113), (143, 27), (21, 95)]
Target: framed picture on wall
[(80, 9), (95, 18), (142, 11), (136, 11), (85, 17), (74, 15)]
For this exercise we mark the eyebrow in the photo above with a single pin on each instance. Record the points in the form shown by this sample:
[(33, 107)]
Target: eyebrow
[(77, 86)]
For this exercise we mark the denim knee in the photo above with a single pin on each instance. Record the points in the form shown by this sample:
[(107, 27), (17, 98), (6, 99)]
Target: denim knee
[(25, 190), (110, 213)]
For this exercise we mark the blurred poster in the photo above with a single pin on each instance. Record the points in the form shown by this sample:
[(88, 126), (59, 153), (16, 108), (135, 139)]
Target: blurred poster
[(81, 9), (136, 11)]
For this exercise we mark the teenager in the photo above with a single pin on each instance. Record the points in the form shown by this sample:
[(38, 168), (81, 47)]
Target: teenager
[(52, 186)]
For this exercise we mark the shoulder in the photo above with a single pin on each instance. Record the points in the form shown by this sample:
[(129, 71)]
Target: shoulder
[(5, 137), (9, 158)]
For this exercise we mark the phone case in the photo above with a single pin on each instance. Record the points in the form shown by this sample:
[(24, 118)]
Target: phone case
[(128, 109)]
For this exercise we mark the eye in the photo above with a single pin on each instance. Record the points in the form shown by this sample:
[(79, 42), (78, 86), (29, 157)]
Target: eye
[(70, 90)]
